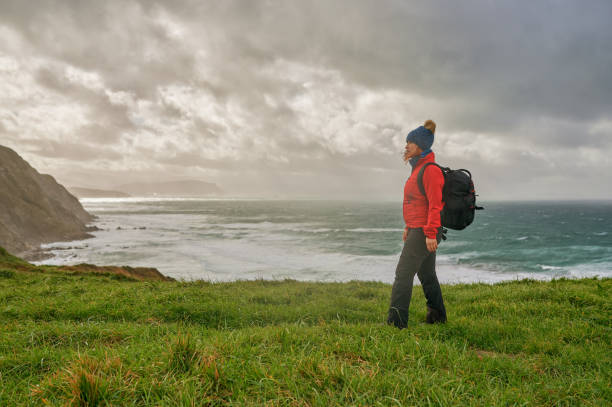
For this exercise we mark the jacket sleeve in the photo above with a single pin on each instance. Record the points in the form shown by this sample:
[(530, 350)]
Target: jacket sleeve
[(433, 181)]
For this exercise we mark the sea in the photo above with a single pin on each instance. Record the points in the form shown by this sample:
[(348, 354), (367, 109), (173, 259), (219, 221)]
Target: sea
[(244, 239)]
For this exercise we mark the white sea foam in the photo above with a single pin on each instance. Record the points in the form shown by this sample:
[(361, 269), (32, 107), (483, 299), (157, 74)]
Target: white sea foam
[(188, 240), (550, 268)]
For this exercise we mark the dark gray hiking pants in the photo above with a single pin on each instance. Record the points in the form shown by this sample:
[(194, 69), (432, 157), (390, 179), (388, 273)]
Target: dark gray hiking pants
[(416, 259)]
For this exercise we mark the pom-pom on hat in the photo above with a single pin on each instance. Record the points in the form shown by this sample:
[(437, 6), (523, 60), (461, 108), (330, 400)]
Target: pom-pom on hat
[(423, 136)]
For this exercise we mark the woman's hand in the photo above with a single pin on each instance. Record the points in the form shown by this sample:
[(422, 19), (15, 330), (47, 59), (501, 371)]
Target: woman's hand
[(405, 235), (432, 244)]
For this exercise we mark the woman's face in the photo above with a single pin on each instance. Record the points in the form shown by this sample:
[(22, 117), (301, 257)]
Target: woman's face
[(411, 150)]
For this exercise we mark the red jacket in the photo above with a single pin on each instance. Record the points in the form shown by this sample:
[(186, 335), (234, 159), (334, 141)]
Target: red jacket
[(420, 211)]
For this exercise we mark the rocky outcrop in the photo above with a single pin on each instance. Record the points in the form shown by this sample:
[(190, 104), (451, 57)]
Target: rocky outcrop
[(10, 263), (34, 208), (132, 273)]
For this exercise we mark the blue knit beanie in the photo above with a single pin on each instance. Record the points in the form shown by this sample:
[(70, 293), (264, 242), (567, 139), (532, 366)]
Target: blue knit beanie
[(422, 137)]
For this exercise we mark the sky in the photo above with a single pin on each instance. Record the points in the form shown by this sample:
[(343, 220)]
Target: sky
[(311, 98)]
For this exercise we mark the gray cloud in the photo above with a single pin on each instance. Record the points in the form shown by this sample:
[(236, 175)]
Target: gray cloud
[(260, 95), (107, 120)]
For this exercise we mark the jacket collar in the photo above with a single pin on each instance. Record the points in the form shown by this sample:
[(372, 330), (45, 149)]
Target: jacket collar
[(426, 156)]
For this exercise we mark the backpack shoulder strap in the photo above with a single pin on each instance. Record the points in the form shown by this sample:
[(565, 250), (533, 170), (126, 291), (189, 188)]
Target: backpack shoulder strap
[(420, 176)]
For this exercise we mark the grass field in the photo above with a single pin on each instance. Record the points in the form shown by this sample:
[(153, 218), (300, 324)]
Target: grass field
[(104, 339)]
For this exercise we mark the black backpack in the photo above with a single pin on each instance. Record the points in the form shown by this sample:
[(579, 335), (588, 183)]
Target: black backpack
[(458, 195)]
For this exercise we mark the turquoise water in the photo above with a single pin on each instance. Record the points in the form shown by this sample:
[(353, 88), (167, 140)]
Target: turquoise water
[(337, 241), (536, 237)]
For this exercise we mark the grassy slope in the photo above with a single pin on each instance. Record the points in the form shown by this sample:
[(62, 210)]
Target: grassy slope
[(10, 263), (71, 338)]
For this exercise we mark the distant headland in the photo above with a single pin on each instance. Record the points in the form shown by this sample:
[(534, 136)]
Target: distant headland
[(171, 188), (96, 193)]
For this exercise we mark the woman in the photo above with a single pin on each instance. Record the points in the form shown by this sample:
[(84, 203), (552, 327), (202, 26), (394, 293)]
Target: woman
[(422, 233)]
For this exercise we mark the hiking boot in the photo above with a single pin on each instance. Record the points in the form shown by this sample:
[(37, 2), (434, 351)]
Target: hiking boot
[(434, 316), (397, 317)]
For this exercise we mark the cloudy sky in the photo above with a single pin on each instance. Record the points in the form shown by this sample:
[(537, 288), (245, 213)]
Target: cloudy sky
[(311, 98)]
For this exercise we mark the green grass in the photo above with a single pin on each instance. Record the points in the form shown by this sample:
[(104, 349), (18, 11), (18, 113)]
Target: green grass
[(92, 339)]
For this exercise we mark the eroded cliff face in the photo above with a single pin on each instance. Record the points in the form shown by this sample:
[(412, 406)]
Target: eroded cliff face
[(34, 208)]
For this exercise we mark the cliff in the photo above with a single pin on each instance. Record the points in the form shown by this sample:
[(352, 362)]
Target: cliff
[(34, 208)]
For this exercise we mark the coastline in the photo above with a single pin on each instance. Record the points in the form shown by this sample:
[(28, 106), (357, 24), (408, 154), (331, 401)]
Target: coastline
[(221, 240), (449, 273), (41, 253)]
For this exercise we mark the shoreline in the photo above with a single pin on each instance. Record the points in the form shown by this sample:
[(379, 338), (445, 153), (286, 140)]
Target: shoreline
[(40, 253), (74, 267), (211, 280), (448, 274), (232, 254)]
